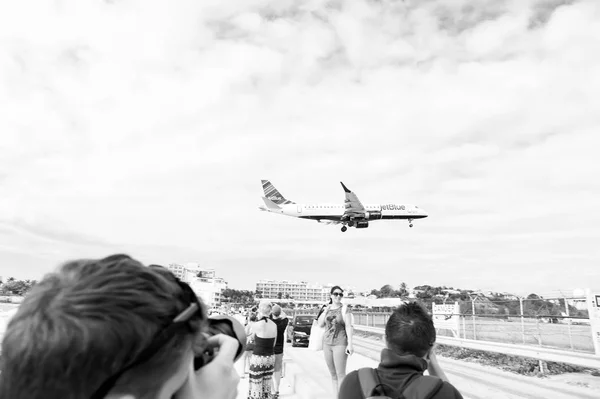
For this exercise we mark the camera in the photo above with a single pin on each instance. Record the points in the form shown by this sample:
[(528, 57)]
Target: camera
[(222, 324)]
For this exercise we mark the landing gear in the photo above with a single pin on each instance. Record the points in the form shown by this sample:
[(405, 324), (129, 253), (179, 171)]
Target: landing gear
[(344, 228), (410, 222)]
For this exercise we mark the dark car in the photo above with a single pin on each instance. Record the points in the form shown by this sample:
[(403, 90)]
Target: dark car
[(298, 332)]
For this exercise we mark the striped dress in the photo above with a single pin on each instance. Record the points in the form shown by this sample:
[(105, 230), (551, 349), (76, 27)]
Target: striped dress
[(262, 363)]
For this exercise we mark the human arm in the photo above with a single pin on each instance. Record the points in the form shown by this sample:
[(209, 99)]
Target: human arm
[(250, 333), (252, 326), (349, 330), (433, 366)]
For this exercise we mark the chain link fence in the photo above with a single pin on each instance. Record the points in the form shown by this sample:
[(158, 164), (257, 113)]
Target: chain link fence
[(561, 323)]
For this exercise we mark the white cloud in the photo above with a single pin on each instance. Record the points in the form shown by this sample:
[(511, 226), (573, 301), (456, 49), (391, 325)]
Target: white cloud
[(148, 125)]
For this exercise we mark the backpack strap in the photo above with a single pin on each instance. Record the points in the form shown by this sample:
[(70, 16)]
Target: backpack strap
[(368, 380), (423, 387)]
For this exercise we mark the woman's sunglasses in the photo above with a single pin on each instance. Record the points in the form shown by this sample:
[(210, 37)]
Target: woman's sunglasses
[(340, 294)]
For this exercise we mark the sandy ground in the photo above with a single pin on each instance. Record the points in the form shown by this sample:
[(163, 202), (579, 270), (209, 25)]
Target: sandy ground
[(474, 381)]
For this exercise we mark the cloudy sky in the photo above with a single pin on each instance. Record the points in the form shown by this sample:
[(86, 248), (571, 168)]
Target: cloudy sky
[(145, 127)]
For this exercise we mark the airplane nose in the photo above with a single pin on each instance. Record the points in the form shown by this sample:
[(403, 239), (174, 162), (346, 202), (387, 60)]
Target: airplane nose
[(423, 213)]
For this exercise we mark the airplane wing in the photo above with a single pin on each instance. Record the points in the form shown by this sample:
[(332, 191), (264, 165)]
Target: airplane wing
[(352, 203), (327, 221)]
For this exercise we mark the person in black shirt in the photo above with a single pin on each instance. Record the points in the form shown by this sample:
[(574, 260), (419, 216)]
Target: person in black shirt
[(410, 342), (280, 319)]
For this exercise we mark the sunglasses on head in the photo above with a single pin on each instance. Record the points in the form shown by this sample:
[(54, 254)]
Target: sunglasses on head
[(340, 294)]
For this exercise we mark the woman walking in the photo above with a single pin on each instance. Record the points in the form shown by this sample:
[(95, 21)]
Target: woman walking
[(337, 340), (249, 342), (262, 360)]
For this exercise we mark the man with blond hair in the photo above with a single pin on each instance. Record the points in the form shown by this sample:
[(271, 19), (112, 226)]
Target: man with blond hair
[(113, 328)]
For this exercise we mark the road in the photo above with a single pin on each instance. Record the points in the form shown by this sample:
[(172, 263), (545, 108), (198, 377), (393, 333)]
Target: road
[(474, 381)]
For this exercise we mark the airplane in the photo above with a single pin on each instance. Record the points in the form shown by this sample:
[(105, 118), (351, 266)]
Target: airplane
[(351, 214)]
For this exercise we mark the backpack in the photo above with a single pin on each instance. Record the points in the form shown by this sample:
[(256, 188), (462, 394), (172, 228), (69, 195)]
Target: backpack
[(419, 387)]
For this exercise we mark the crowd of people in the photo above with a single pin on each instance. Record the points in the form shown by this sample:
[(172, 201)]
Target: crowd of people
[(114, 328)]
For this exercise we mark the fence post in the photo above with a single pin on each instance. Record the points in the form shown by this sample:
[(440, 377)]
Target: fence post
[(464, 320), (522, 320), (473, 309), (537, 324), (543, 367), (568, 322)]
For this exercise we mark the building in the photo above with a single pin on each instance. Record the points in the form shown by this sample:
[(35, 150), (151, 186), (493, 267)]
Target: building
[(178, 270), (204, 282), (298, 291), (210, 290)]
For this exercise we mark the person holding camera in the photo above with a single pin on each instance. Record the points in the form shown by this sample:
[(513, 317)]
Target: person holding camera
[(410, 339), (337, 339), (262, 361), (113, 328)]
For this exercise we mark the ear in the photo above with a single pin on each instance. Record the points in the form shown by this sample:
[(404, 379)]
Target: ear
[(426, 356)]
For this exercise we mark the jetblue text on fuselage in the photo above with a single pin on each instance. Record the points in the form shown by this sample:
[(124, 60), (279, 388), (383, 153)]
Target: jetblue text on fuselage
[(392, 207)]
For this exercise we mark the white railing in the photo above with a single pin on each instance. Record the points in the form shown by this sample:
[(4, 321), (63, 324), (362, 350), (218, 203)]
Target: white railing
[(539, 353)]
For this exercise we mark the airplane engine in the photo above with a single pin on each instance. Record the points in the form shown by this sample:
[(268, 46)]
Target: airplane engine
[(362, 224), (373, 215)]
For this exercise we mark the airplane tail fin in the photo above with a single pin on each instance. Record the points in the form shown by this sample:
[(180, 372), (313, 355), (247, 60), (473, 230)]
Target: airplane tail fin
[(273, 195)]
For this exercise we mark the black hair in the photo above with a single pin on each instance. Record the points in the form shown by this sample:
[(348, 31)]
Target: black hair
[(336, 287), (410, 330)]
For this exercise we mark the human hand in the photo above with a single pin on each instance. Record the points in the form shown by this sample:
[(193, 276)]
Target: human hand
[(431, 357), (433, 366), (349, 349), (216, 380)]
